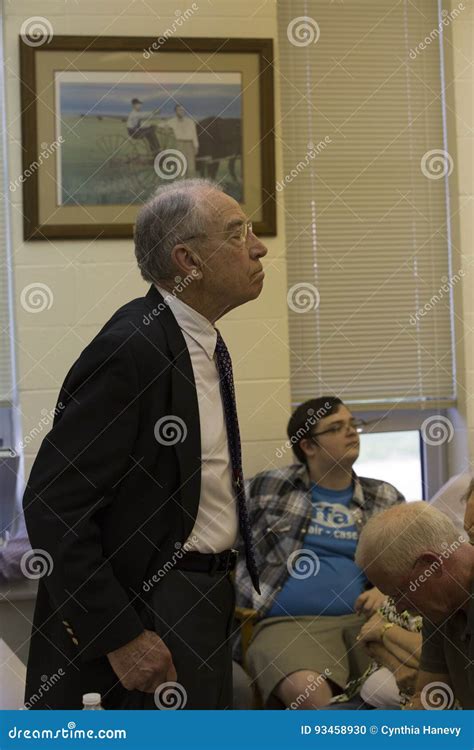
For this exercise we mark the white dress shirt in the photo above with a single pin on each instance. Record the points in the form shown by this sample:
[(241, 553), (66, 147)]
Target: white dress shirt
[(184, 129), (134, 119), (216, 524)]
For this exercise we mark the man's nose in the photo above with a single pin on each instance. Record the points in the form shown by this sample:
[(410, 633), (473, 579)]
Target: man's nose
[(257, 248)]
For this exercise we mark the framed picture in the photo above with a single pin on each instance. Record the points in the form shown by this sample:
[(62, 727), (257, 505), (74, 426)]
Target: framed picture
[(107, 120)]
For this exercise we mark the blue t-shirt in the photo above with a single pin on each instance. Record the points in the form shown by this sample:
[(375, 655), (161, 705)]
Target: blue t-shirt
[(324, 578)]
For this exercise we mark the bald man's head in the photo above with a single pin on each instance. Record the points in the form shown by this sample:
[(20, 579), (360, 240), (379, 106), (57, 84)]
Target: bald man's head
[(415, 554)]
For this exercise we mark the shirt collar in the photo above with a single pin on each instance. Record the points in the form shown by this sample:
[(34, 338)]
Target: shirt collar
[(358, 494), (199, 328), (302, 475)]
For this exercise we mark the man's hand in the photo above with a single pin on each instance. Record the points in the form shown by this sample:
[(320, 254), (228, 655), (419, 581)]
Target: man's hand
[(382, 656), (369, 601), (424, 680), (406, 678), (372, 629), (469, 517), (144, 663)]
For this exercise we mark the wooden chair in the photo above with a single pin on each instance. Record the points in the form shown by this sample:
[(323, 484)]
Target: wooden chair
[(247, 618)]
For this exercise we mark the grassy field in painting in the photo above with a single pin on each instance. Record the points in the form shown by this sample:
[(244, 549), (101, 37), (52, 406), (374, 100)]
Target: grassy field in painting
[(101, 165)]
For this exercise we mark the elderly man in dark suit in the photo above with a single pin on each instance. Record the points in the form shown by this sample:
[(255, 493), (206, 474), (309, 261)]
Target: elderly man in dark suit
[(136, 495)]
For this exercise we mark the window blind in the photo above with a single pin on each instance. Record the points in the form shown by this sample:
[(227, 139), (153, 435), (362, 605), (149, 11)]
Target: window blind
[(365, 191)]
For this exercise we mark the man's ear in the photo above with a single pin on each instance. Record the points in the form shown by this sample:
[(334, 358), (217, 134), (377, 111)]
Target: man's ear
[(429, 561), (187, 261), (307, 446)]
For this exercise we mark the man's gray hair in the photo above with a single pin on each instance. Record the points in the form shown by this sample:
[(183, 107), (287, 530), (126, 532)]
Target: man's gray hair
[(175, 211), (394, 539)]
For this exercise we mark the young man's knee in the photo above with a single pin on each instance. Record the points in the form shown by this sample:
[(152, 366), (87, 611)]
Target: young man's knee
[(302, 688)]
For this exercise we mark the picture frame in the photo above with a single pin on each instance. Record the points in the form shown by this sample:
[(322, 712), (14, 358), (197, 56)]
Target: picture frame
[(107, 120)]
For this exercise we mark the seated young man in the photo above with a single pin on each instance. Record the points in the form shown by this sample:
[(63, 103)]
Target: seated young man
[(306, 520)]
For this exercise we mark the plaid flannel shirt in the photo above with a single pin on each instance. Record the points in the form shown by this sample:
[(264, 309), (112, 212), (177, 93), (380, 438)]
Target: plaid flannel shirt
[(279, 504)]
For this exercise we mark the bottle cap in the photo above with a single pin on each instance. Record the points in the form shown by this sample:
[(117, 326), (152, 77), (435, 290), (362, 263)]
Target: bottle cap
[(91, 698)]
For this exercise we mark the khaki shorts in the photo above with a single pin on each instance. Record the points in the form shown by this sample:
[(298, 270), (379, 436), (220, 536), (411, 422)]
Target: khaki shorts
[(282, 645)]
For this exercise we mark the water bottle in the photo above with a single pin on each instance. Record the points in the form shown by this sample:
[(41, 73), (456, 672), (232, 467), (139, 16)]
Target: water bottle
[(92, 702)]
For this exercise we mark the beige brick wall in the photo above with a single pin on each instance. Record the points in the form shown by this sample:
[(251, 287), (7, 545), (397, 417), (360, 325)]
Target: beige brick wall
[(90, 280)]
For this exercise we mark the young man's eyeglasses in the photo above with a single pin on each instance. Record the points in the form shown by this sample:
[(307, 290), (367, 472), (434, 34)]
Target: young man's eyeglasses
[(338, 427), (239, 232)]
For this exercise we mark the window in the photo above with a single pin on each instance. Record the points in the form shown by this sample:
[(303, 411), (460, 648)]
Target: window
[(394, 457), (408, 448), (366, 198)]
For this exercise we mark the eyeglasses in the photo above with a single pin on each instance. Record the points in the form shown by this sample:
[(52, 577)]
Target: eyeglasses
[(240, 233), (337, 427)]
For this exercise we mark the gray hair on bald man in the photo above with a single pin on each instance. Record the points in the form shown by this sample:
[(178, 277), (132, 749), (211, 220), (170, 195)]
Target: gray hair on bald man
[(175, 211), (393, 540)]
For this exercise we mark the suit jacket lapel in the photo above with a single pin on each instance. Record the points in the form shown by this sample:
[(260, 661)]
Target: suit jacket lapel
[(184, 405)]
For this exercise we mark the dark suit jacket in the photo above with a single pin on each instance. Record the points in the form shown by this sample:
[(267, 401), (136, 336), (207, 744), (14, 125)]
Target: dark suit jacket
[(106, 500)]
